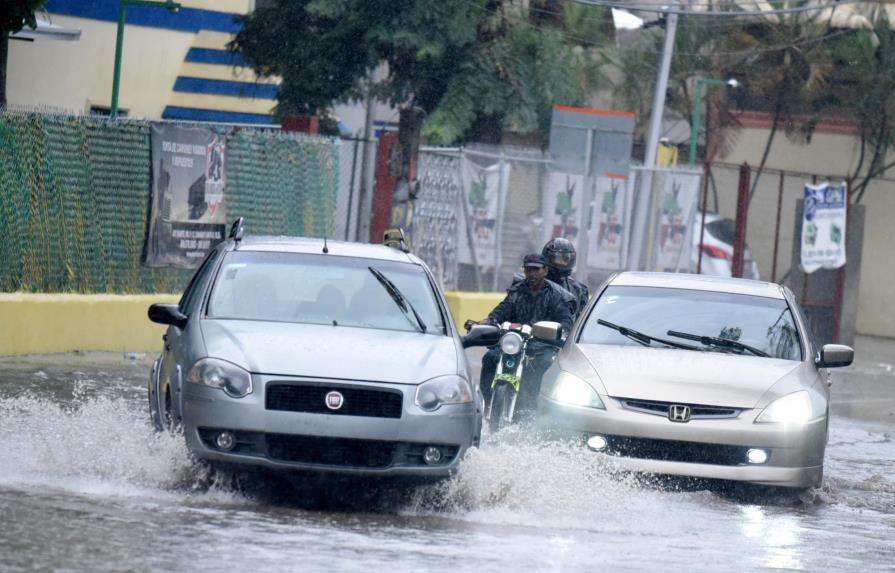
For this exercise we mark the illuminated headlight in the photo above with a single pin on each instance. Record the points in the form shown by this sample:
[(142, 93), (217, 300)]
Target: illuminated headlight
[(221, 374), (511, 343), (795, 408), (570, 389), (430, 395)]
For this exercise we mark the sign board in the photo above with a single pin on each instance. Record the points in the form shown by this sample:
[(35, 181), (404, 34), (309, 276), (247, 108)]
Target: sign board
[(610, 148), (187, 217), (823, 226)]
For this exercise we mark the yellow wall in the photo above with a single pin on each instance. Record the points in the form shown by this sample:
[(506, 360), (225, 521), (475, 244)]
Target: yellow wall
[(48, 323), (73, 76)]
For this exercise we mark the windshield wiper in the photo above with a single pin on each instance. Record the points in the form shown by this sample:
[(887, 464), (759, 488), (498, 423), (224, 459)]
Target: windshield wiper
[(717, 342), (403, 303), (644, 339)]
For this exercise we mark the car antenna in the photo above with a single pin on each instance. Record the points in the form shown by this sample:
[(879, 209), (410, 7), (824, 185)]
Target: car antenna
[(325, 248)]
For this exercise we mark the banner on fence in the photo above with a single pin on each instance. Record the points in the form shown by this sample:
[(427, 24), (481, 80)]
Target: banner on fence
[(676, 214), (485, 189), (187, 217), (823, 227), (563, 206), (609, 230)]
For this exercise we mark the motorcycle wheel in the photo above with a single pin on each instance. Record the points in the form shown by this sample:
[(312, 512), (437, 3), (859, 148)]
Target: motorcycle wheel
[(500, 407)]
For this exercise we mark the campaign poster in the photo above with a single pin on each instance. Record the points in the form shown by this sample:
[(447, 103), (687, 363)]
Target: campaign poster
[(187, 217), (486, 189), (563, 206), (608, 234), (677, 211), (823, 227)]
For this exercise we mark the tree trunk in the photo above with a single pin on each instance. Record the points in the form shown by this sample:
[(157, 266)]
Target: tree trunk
[(4, 49), (767, 150)]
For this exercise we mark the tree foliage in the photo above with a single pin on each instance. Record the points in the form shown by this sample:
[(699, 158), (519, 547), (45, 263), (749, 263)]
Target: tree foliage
[(474, 67), (16, 14)]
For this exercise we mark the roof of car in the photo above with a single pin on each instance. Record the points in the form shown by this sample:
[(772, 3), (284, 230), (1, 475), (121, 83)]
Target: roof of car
[(699, 282), (315, 246)]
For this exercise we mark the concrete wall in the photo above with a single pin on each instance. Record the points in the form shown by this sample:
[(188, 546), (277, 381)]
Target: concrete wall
[(829, 154), (49, 323)]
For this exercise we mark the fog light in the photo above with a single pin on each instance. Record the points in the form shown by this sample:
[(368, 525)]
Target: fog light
[(225, 441), (756, 456), (432, 455), (596, 443)]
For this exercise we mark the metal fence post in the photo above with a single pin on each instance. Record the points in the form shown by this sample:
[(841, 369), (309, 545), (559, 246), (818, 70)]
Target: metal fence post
[(705, 200), (739, 237), (777, 229)]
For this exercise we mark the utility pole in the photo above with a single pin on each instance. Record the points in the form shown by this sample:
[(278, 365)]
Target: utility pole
[(645, 197)]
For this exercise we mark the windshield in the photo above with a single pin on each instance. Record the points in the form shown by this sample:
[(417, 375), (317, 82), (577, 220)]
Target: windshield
[(763, 323), (321, 289)]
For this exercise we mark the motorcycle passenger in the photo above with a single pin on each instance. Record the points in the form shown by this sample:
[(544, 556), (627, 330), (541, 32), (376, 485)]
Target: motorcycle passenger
[(528, 302), (560, 256)]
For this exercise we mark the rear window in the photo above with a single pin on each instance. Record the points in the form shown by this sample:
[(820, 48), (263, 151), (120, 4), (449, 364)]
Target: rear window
[(722, 230), (322, 289)]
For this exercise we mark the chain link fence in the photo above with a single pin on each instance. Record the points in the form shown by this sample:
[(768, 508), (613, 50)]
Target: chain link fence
[(75, 194)]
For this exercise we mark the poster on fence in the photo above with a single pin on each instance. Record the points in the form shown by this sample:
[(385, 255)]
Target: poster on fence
[(563, 206), (485, 189), (676, 213), (187, 217), (609, 232), (823, 227)]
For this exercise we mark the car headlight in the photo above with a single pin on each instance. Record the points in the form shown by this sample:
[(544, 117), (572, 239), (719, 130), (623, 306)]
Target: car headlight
[(511, 343), (221, 374), (430, 395), (570, 389), (795, 408)]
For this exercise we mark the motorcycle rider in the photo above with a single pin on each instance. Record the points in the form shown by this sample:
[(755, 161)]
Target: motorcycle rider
[(560, 256), (528, 302)]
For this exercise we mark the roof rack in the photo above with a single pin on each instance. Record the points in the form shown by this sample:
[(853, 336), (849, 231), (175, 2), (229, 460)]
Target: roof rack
[(396, 238), (237, 230)]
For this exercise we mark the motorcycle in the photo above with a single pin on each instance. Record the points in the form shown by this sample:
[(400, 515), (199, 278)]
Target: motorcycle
[(515, 360)]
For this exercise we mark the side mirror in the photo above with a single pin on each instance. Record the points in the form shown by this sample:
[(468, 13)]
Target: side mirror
[(835, 356), (547, 331), (481, 335), (167, 314)]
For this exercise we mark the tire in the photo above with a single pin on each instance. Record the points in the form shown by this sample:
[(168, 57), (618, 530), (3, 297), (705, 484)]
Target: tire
[(169, 418), (501, 402)]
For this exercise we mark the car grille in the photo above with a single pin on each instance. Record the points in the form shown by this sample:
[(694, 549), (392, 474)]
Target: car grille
[(675, 451), (697, 411), (373, 403), (348, 452)]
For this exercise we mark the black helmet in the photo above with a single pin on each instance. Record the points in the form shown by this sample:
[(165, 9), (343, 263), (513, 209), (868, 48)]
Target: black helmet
[(560, 255)]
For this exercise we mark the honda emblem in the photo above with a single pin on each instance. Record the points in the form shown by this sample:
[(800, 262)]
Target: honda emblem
[(679, 413)]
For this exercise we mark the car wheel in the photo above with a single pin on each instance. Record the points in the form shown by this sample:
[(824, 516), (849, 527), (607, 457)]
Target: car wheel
[(170, 420)]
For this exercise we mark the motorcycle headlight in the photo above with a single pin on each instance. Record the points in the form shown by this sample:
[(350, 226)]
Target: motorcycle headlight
[(572, 390), (430, 395), (511, 343), (795, 408), (221, 374)]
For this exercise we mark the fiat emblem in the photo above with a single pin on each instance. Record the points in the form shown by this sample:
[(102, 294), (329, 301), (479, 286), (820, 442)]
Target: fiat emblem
[(334, 400)]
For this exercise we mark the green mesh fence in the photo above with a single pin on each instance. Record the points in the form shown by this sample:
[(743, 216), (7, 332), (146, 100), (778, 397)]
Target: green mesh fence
[(75, 197)]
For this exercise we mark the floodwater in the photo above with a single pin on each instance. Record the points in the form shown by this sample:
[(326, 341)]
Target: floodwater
[(87, 485)]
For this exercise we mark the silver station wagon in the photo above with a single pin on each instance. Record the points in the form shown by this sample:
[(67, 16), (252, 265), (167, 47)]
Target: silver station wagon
[(696, 376), (293, 353)]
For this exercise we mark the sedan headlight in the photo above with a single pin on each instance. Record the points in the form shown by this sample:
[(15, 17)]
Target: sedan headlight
[(511, 343), (570, 389), (221, 374), (430, 395), (795, 408)]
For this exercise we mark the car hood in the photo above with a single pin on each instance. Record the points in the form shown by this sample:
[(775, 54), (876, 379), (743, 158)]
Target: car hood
[(322, 351), (670, 375)]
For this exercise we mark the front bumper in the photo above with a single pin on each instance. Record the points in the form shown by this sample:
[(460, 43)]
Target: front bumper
[(704, 448), (324, 442)]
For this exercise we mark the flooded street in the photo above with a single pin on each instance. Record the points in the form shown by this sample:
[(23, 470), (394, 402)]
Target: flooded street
[(87, 485)]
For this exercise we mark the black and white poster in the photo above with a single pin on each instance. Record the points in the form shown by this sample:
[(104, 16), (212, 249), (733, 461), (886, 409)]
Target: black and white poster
[(187, 217)]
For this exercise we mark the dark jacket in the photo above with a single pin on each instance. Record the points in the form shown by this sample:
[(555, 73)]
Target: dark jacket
[(577, 291), (550, 303)]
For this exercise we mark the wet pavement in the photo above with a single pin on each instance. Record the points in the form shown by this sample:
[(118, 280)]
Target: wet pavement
[(87, 485)]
